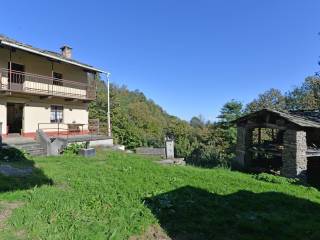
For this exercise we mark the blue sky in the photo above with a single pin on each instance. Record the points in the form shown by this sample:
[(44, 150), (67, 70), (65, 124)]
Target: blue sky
[(190, 57)]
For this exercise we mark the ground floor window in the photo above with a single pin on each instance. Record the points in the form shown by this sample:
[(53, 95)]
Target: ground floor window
[(56, 114)]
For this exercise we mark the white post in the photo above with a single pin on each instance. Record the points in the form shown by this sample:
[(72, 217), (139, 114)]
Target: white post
[(108, 113)]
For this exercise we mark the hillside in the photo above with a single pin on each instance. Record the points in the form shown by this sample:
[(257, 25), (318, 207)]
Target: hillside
[(136, 120), (118, 196)]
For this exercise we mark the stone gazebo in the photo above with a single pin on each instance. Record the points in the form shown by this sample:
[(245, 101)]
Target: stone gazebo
[(284, 142)]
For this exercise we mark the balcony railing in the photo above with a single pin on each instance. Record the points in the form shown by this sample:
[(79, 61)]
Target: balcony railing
[(24, 82)]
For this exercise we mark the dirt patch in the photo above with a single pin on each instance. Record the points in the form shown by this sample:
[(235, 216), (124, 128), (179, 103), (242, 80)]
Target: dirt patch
[(154, 232), (6, 209)]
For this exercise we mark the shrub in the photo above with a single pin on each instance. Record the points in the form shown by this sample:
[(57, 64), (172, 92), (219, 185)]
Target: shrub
[(74, 148)]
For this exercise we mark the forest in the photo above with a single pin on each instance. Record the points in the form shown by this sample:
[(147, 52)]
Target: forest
[(139, 121)]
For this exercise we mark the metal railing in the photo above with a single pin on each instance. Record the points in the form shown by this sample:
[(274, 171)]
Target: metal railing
[(70, 129), (62, 128), (16, 81)]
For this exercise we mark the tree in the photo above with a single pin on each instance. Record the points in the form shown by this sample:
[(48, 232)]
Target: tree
[(197, 122), (230, 111), (272, 99), (306, 97)]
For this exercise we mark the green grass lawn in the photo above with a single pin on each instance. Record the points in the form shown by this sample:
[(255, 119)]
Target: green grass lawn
[(117, 196)]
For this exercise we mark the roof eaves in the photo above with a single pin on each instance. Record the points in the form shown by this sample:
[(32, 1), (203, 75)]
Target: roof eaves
[(298, 120), (48, 54)]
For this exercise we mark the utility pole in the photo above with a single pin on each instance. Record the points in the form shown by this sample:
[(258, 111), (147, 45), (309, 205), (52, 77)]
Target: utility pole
[(108, 113)]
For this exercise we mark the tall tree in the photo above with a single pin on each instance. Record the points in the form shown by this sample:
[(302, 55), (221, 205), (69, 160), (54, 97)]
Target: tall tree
[(305, 97), (272, 99), (230, 111)]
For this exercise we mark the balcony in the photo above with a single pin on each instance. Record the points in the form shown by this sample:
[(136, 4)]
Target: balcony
[(29, 83)]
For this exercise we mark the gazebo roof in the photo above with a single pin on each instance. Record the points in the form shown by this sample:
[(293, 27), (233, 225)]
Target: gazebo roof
[(302, 118)]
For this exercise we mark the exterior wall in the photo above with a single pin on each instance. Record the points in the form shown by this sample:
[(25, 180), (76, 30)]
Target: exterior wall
[(3, 115), (72, 113), (38, 111), (76, 114), (294, 159), (42, 66), (42, 113)]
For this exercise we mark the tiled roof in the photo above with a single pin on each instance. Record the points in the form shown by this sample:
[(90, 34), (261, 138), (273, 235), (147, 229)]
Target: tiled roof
[(301, 118), (54, 55)]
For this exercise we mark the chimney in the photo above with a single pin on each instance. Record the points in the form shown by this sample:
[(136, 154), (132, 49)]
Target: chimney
[(66, 51)]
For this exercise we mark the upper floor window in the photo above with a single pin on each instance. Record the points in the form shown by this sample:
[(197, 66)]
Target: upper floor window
[(57, 79), (56, 115)]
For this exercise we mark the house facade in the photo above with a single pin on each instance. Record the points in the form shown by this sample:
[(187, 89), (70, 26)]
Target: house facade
[(41, 89)]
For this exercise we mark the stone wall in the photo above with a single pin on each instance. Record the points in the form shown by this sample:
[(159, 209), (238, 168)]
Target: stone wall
[(244, 140), (294, 159), (151, 151)]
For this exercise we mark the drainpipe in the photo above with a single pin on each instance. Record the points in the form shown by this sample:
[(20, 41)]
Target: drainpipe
[(108, 113)]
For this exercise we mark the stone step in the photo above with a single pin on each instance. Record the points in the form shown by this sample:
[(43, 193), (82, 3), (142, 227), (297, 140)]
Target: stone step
[(34, 149), (28, 147)]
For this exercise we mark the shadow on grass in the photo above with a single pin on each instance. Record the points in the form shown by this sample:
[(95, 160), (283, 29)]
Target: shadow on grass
[(18, 171), (192, 213)]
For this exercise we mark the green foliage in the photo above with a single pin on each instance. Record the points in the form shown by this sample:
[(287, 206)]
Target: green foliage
[(197, 122), (272, 99), (305, 97), (73, 148), (230, 111), (137, 121)]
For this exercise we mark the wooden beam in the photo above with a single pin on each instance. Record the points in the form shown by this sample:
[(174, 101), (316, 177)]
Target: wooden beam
[(70, 99), (265, 125)]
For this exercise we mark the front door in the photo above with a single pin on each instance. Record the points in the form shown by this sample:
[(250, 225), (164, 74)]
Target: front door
[(16, 76), (14, 117)]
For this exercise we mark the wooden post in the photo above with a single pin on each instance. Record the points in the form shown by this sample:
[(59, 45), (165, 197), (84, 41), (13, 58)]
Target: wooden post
[(10, 70), (52, 76), (259, 135)]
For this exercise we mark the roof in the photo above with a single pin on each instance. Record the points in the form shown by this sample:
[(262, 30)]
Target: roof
[(302, 118), (4, 40)]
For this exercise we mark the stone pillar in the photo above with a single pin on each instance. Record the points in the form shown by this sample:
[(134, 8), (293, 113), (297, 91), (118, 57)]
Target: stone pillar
[(294, 158), (244, 140), (170, 149)]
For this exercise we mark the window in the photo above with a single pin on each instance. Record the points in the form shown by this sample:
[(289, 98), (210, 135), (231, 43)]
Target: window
[(57, 79), (56, 114)]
